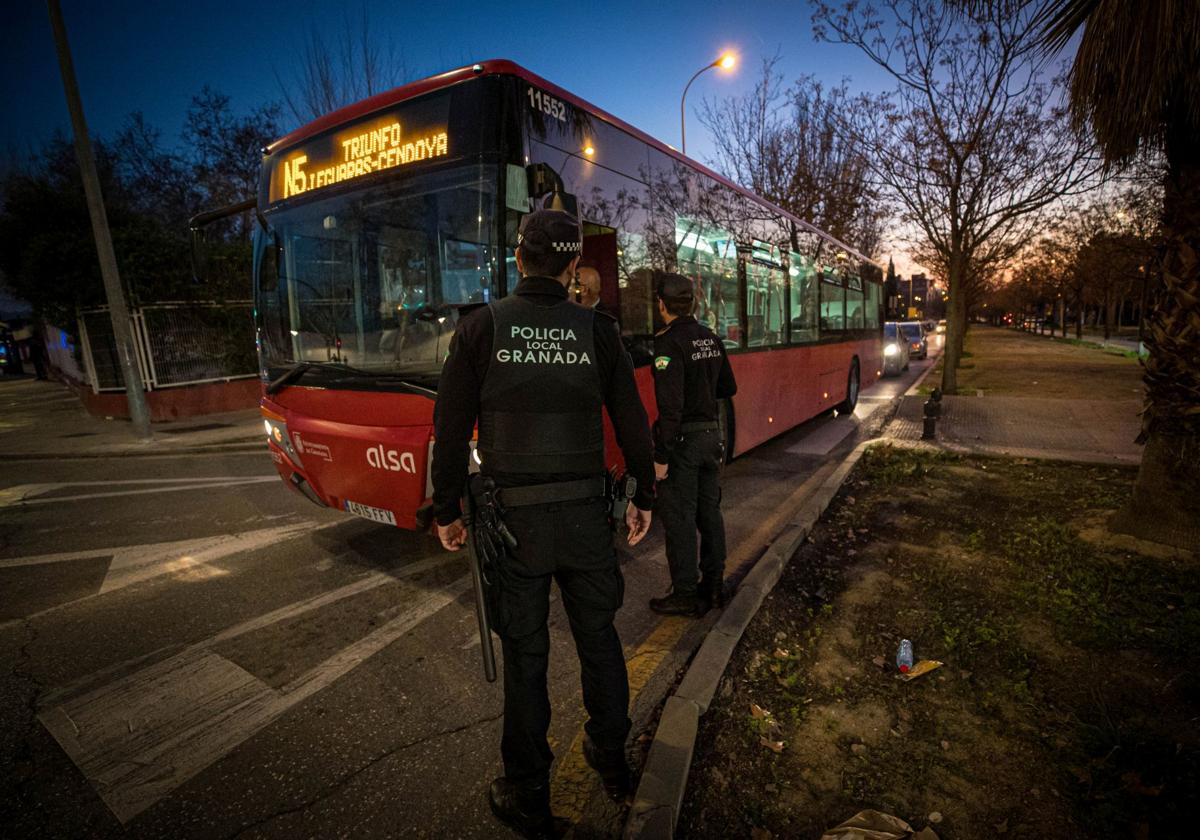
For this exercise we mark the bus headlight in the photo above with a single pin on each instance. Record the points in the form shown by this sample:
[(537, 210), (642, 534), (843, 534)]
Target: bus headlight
[(890, 350), (277, 433)]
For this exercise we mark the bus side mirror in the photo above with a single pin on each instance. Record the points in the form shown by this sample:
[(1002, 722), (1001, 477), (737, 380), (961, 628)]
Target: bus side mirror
[(198, 225)]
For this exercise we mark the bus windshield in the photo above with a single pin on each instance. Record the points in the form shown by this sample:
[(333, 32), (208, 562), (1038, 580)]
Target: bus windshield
[(373, 279)]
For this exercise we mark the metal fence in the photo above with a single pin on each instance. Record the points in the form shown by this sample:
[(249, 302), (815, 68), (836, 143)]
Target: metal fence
[(176, 343)]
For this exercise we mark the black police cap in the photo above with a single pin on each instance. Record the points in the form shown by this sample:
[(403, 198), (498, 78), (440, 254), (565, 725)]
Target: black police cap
[(545, 232), (673, 287)]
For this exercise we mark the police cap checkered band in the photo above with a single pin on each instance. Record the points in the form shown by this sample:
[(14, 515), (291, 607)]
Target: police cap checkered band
[(672, 287), (546, 232)]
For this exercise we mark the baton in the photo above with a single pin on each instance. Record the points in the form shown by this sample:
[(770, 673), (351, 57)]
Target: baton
[(477, 583)]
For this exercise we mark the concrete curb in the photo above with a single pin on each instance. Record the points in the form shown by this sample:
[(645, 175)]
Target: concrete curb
[(912, 389), (659, 797)]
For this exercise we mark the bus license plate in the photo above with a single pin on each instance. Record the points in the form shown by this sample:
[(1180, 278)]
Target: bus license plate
[(373, 513)]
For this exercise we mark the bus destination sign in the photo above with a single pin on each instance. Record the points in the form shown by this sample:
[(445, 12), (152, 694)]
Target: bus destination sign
[(383, 142)]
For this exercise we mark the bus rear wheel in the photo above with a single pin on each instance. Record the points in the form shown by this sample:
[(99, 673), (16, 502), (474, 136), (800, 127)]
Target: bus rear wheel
[(852, 384)]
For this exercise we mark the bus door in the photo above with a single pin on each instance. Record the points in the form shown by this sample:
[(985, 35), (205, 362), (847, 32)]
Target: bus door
[(600, 252)]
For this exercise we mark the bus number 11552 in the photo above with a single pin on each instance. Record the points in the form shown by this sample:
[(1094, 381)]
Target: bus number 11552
[(547, 104)]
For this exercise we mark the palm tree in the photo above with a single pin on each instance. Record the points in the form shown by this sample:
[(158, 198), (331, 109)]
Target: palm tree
[(1135, 82)]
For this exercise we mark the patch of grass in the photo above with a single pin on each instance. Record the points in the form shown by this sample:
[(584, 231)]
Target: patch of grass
[(1093, 345), (1103, 495), (887, 466), (1103, 601)]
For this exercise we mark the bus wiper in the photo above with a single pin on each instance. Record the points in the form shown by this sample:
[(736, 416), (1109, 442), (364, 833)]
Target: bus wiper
[(288, 377), (347, 372), (292, 374)]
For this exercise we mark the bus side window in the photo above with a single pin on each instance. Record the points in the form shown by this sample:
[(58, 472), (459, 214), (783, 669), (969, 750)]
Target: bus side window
[(802, 298), (833, 302), (708, 255)]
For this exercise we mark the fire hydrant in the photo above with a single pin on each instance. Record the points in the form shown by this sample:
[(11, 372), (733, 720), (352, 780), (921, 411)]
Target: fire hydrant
[(933, 410)]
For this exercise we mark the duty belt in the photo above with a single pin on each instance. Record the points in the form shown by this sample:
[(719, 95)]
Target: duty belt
[(699, 426), (558, 491)]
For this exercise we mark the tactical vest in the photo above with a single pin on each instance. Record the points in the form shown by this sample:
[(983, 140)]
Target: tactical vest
[(540, 405)]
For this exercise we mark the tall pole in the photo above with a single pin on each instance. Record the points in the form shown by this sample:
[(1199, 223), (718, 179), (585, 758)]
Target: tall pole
[(726, 61), (117, 309)]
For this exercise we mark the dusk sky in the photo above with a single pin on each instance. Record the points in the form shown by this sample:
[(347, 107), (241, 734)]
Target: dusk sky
[(630, 58)]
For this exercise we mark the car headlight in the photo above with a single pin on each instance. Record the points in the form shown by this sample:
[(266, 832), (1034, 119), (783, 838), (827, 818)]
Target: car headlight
[(890, 350)]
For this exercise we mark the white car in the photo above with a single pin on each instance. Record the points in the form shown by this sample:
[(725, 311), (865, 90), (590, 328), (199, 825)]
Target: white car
[(895, 350)]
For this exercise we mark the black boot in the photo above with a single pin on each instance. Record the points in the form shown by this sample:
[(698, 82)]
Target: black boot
[(678, 603), (712, 594), (612, 767), (525, 809)]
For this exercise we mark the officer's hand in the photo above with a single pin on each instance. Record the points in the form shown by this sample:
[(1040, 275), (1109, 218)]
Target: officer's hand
[(638, 522), (660, 471), (453, 536)]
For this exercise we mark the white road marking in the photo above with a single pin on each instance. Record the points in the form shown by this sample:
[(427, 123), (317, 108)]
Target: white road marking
[(135, 563), (142, 736), (284, 613), (26, 494)]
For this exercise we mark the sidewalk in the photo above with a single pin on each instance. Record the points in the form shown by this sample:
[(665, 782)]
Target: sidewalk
[(1125, 344), (1034, 399), (1094, 431), (40, 419)]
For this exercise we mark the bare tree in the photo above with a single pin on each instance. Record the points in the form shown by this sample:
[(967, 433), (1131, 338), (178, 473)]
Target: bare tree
[(332, 73), (784, 144), (973, 143), (225, 150)]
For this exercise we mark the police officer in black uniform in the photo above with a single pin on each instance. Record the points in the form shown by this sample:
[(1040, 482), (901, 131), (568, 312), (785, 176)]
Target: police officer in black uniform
[(535, 370), (691, 373)]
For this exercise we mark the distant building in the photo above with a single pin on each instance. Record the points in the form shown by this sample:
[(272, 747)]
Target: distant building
[(915, 295)]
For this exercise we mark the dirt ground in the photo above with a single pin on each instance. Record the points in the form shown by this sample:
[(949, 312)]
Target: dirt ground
[(1005, 361), (1068, 703)]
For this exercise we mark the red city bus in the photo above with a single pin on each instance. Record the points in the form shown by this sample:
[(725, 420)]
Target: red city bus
[(381, 223)]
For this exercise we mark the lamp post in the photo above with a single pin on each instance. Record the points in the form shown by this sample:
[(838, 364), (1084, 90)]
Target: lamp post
[(725, 62), (118, 310)]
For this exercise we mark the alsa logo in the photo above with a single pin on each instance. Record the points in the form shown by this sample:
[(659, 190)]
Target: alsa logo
[(390, 459)]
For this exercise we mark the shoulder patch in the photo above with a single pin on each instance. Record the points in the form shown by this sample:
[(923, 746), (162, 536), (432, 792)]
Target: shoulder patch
[(661, 362)]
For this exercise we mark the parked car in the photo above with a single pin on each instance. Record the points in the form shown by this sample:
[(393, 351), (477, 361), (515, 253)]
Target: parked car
[(895, 350), (914, 335), (941, 327)]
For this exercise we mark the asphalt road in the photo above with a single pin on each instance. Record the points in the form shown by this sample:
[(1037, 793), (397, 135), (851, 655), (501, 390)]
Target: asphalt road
[(191, 650)]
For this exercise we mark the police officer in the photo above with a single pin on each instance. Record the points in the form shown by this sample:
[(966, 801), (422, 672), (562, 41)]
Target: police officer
[(691, 373), (535, 370)]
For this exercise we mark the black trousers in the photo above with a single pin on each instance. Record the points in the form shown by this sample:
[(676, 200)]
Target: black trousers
[(690, 501), (571, 543)]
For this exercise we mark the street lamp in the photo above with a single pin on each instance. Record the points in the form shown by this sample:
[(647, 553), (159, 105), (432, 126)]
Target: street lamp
[(726, 61)]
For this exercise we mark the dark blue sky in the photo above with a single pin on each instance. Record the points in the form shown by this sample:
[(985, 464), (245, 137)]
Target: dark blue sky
[(631, 58)]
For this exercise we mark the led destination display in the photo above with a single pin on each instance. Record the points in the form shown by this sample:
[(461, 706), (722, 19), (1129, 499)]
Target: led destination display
[(403, 136)]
